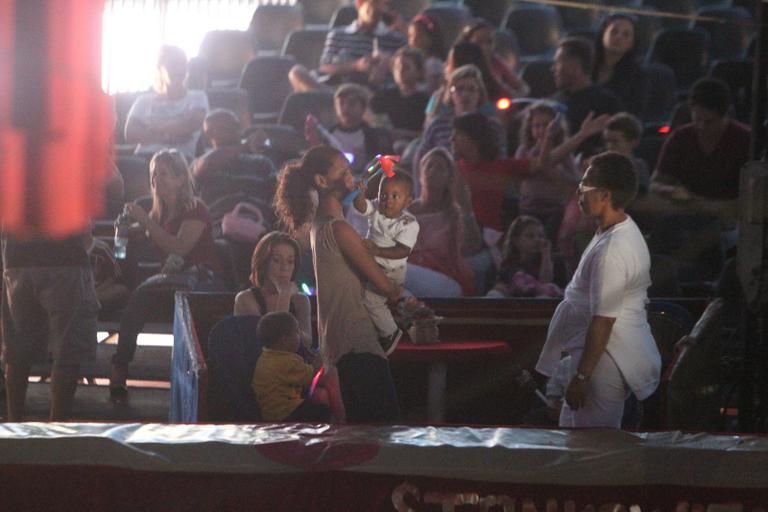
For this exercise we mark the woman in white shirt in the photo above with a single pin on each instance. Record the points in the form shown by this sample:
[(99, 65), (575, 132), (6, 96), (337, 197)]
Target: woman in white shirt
[(602, 322), (171, 116)]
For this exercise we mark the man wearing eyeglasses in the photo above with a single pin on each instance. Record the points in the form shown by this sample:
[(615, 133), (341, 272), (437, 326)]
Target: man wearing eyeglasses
[(602, 322)]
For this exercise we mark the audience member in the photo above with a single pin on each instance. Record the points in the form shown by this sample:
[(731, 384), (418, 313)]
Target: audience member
[(572, 71), (696, 183), (488, 176), (616, 63), (482, 33), (622, 135), (282, 380), (361, 50), (424, 35), (528, 268), (392, 233), (49, 309), (467, 94), (353, 134), (700, 161), (275, 262), (545, 194), (603, 323), (448, 233), (402, 105), (233, 164), (348, 338), (179, 226), (460, 55), (171, 116)]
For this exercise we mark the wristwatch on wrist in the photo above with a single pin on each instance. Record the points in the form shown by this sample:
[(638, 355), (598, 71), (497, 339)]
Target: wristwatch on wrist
[(582, 377)]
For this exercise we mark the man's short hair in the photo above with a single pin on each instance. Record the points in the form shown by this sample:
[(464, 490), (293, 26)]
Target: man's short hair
[(615, 172), (273, 326), (353, 90), (711, 94), (579, 48), (626, 124)]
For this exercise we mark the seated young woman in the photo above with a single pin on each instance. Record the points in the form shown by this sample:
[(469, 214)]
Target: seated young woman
[(274, 264), (179, 226), (449, 232)]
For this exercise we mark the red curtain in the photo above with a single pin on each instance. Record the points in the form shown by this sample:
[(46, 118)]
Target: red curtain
[(55, 121)]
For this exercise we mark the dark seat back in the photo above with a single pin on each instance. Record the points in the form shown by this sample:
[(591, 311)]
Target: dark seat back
[(343, 16), (265, 79), (491, 10), (450, 18), (270, 23), (537, 28), (737, 74), (299, 104), (662, 92), (225, 52), (306, 46), (233, 349), (729, 36), (684, 51)]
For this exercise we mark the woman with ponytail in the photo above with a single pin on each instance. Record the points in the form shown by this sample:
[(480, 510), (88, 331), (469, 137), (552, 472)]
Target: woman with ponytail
[(310, 193)]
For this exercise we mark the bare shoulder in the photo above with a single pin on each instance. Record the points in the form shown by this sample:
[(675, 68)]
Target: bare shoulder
[(245, 304), (344, 234)]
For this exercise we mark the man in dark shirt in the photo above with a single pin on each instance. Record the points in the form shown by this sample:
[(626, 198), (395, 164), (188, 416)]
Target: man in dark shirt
[(233, 165), (49, 310), (704, 158), (572, 68), (697, 178)]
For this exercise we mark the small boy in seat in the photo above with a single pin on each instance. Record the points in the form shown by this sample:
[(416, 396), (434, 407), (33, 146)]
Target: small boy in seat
[(282, 380)]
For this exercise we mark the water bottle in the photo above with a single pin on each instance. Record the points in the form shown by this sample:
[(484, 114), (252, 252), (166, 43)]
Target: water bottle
[(122, 225)]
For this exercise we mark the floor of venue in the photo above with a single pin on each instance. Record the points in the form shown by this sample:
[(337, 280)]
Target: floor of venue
[(149, 386)]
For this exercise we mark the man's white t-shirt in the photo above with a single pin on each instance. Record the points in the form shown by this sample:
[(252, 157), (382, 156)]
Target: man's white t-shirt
[(386, 232), (150, 108), (611, 280)]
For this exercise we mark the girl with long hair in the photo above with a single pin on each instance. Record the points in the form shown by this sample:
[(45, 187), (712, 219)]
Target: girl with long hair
[(179, 226), (616, 63), (449, 231), (545, 194)]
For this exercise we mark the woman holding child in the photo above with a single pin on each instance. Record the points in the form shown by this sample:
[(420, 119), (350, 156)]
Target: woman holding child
[(310, 192)]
